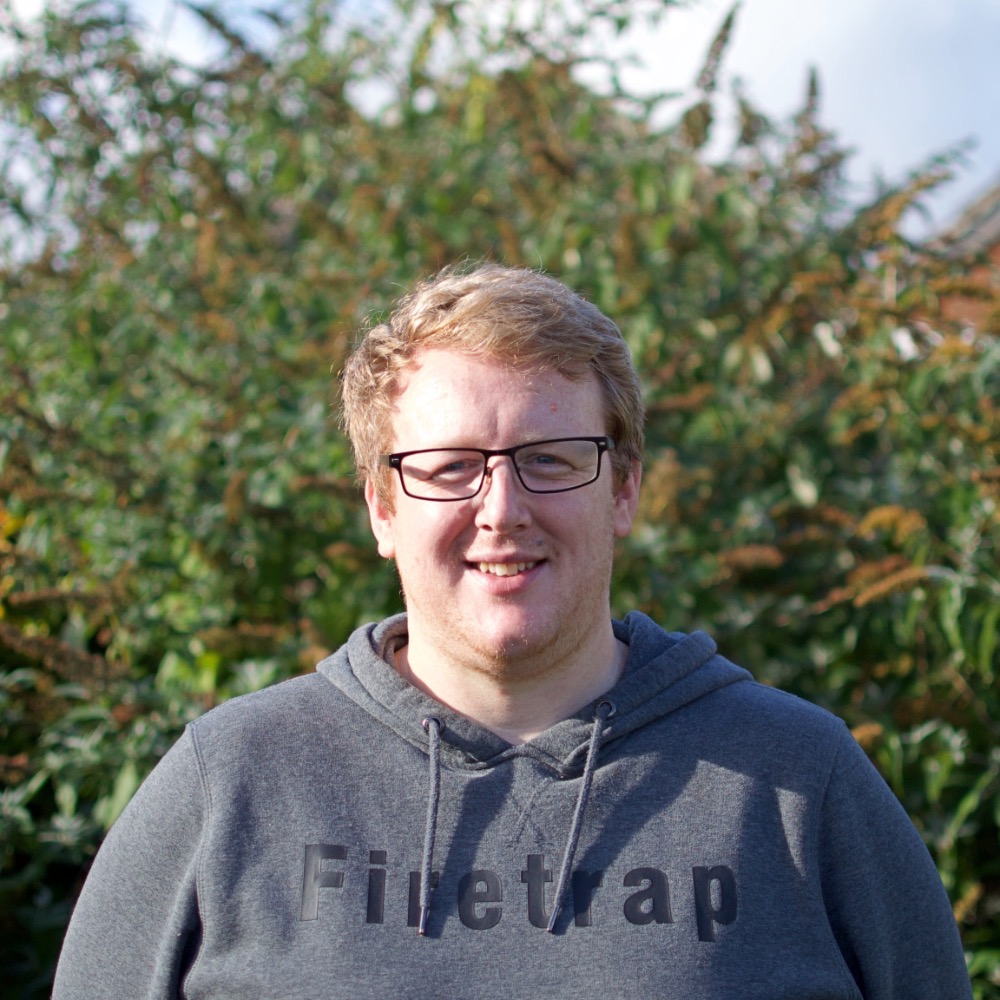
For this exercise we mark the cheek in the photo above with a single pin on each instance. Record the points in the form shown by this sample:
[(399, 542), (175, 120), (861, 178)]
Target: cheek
[(581, 524), (427, 538)]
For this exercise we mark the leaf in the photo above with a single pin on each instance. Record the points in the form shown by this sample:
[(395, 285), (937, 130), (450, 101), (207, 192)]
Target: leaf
[(126, 783)]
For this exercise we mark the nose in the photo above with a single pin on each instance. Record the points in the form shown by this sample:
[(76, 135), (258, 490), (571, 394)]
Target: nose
[(502, 502)]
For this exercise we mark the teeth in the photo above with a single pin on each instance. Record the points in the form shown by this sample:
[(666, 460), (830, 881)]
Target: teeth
[(505, 569)]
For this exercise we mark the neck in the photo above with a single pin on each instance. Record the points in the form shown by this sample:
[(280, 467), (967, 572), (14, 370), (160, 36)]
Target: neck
[(515, 700)]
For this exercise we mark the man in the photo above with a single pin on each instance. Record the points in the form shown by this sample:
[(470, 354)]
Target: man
[(504, 792)]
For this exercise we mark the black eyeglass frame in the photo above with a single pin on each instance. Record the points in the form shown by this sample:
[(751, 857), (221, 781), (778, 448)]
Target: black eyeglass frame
[(395, 461)]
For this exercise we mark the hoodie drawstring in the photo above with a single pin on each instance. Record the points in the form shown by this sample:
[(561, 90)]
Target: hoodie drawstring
[(433, 728), (604, 711)]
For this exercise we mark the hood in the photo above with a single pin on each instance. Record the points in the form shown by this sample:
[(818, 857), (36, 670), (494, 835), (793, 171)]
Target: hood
[(664, 672)]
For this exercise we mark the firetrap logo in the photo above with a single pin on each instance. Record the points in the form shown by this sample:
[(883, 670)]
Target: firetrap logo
[(481, 899)]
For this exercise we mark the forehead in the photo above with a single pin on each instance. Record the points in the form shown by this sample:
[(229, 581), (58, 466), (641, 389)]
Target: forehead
[(446, 397)]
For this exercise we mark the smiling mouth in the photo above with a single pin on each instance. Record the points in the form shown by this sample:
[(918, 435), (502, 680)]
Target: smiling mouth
[(505, 569)]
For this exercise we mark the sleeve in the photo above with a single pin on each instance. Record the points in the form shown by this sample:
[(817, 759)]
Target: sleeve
[(135, 925), (888, 909)]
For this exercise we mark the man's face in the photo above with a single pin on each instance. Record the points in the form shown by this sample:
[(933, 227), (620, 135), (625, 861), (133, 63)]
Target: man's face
[(508, 576)]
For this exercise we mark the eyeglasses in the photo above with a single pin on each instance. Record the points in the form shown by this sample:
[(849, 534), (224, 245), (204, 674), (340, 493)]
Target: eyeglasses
[(554, 466)]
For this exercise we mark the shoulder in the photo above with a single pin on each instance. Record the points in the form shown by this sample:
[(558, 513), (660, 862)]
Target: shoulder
[(285, 697), (790, 721), (267, 722), (762, 707), (315, 706), (774, 737)]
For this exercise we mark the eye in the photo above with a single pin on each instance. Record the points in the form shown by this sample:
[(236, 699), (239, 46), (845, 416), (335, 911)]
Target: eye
[(444, 467), (552, 462), (458, 468), (543, 460)]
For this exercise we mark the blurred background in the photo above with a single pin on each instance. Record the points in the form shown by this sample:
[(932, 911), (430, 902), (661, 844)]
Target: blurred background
[(200, 205), (902, 80)]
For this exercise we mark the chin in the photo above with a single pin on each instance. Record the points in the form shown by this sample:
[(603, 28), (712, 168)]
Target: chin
[(509, 647)]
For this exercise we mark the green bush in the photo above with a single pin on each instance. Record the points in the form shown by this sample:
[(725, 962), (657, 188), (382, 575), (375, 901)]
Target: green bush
[(187, 254)]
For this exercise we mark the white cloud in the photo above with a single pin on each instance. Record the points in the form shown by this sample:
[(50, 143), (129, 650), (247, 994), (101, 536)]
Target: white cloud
[(900, 80)]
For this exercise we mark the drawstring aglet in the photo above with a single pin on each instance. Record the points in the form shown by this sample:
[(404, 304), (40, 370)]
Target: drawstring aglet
[(425, 912), (556, 910)]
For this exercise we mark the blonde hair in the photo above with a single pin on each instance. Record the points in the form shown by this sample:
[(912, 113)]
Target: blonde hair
[(518, 317)]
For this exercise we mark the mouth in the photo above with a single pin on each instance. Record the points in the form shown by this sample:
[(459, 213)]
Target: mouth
[(505, 569)]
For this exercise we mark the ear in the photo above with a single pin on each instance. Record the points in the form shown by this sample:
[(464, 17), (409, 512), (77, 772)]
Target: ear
[(381, 519), (626, 501)]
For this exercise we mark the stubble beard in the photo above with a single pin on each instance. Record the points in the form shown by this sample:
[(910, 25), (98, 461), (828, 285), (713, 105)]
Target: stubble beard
[(530, 654)]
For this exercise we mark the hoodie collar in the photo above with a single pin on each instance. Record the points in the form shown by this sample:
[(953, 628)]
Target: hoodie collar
[(664, 672)]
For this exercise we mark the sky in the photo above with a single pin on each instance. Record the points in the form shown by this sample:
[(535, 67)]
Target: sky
[(900, 80)]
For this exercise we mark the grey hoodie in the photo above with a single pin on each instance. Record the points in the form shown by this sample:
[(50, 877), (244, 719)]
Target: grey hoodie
[(713, 839)]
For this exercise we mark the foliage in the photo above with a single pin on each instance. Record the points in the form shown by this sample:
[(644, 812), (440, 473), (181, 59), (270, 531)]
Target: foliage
[(186, 254)]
